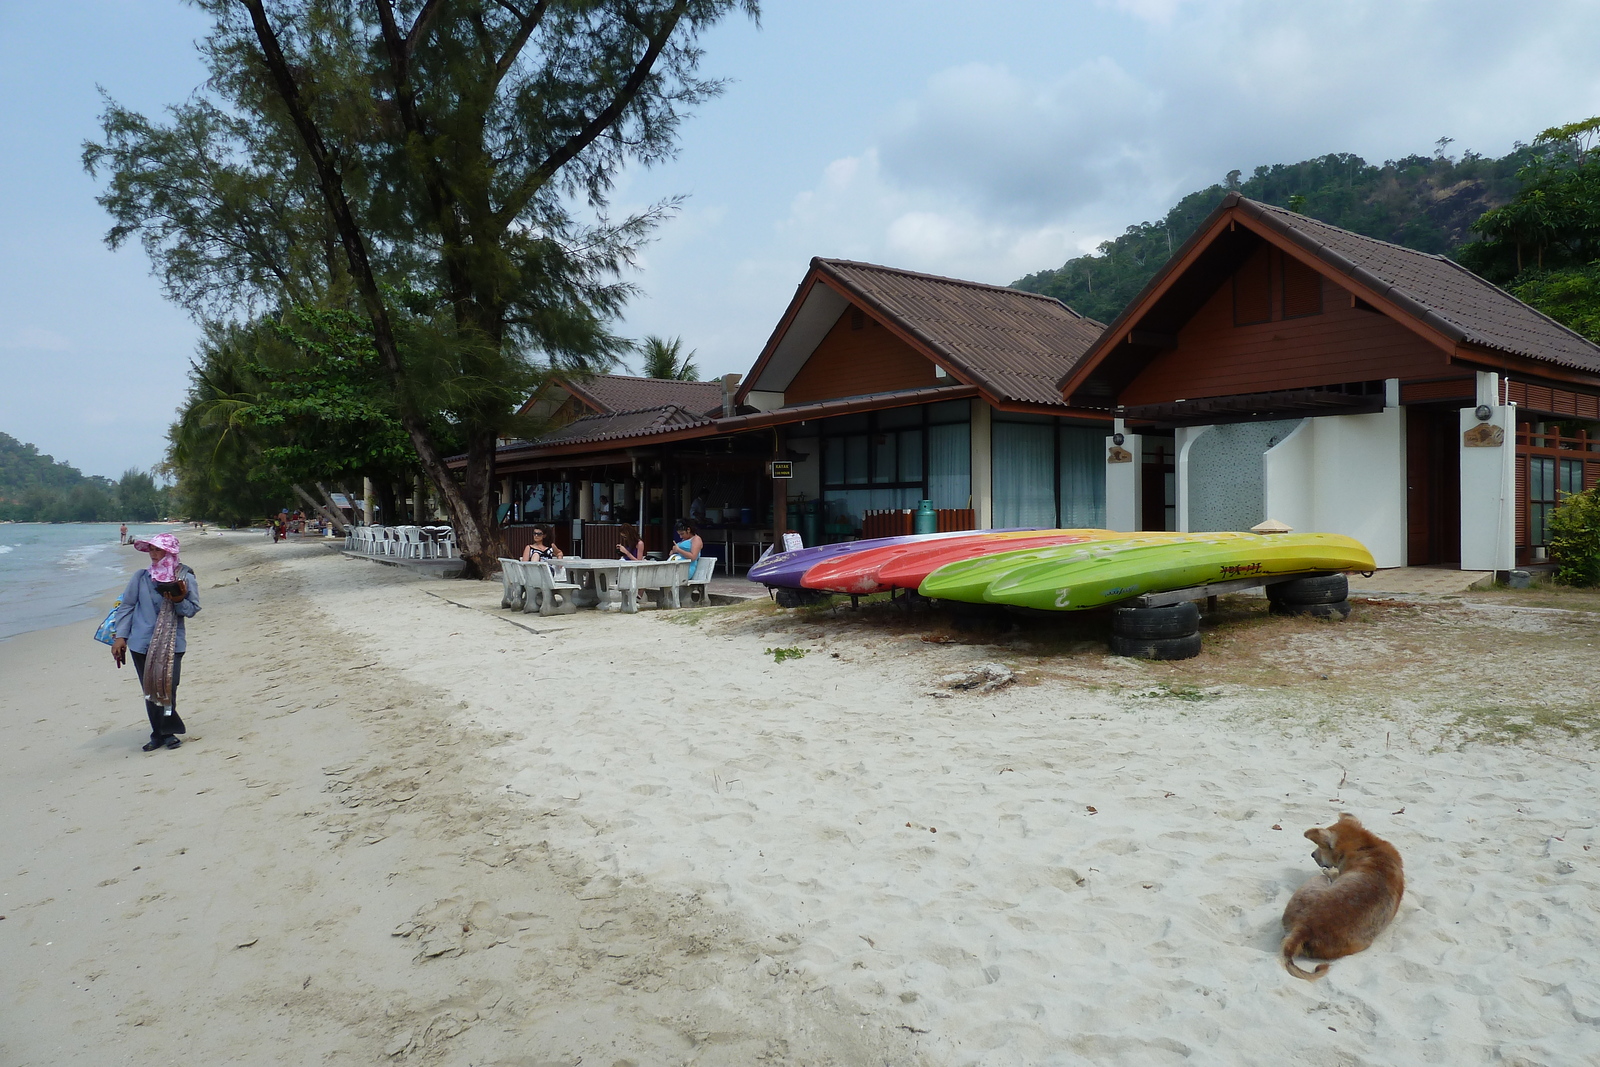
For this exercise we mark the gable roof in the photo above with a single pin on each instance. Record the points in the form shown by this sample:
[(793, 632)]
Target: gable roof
[(1443, 298), (1012, 345), (624, 392), (621, 425)]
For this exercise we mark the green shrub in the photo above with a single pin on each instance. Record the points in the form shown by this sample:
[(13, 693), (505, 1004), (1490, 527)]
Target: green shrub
[(1575, 538)]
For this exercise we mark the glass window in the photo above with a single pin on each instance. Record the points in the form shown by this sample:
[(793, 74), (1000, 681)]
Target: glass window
[(1541, 498), (897, 417), (950, 411), (1571, 477), (910, 456), (950, 465), (843, 424), (855, 459), (832, 460), (884, 467)]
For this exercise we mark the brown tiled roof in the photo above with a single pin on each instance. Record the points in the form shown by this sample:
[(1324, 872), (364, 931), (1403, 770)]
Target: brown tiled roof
[(1014, 345), (1441, 292), (622, 392), (623, 424)]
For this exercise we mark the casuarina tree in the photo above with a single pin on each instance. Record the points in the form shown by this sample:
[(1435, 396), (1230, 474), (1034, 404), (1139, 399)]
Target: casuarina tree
[(441, 167)]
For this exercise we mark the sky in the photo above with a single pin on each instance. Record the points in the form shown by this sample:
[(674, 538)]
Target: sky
[(976, 141)]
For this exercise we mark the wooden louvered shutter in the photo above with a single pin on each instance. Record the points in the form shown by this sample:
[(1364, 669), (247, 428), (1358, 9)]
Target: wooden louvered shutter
[(1252, 289), (1302, 289)]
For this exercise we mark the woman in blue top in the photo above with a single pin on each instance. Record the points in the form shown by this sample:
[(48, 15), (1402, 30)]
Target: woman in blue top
[(687, 545), (135, 626)]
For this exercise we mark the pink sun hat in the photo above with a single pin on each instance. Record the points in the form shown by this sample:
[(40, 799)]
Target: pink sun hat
[(166, 568)]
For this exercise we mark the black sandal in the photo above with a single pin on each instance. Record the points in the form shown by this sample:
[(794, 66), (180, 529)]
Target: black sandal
[(151, 746), (173, 742)]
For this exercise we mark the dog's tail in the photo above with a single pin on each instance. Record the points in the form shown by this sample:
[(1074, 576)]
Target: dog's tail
[(1291, 948)]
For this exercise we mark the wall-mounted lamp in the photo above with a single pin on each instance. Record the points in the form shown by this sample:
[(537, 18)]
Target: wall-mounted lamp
[(1117, 439), (1483, 412)]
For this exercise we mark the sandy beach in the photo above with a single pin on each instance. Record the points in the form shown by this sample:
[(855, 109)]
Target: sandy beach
[(411, 827)]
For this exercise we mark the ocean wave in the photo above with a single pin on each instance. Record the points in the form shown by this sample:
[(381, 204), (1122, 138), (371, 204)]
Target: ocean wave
[(6, 548)]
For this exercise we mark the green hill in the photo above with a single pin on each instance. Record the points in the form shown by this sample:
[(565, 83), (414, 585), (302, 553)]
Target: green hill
[(35, 487), (1423, 202)]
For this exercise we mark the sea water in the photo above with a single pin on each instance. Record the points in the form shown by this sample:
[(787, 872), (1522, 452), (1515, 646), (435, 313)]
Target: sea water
[(52, 574)]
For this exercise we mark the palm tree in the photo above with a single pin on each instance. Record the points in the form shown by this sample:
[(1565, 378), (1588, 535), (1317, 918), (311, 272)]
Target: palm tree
[(662, 359)]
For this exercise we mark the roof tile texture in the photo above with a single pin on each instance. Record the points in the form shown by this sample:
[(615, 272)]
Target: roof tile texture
[(1014, 345), (621, 392), (1481, 313), (624, 424)]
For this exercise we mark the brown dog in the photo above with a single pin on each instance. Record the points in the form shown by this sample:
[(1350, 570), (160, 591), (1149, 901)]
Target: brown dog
[(1341, 910)]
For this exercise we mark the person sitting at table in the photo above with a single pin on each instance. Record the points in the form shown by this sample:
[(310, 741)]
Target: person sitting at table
[(629, 543), (687, 544), (543, 548)]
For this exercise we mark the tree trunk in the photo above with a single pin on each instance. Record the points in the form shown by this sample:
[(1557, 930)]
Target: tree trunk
[(333, 509), (335, 520)]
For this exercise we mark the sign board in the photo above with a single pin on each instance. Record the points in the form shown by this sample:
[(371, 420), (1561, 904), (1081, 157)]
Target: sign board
[(781, 468), (792, 542)]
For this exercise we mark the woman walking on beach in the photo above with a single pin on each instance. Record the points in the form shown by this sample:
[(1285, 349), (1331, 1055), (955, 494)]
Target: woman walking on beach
[(149, 625)]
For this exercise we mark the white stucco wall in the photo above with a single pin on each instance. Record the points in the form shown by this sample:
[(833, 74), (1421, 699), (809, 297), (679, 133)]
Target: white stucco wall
[(1123, 492), (1344, 474), (1489, 494), (982, 471), (1183, 439)]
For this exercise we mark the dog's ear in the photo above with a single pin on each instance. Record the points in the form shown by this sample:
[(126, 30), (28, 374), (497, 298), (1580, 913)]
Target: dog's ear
[(1319, 837), (1348, 822)]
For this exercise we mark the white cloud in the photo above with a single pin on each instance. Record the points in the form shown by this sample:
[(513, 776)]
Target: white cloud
[(37, 339)]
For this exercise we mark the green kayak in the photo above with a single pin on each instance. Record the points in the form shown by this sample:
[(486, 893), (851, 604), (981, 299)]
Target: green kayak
[(1104, 574), (968, 579)]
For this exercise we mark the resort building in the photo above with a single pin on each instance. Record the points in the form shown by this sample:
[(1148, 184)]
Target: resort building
[(1276, 367), (1281, 367)]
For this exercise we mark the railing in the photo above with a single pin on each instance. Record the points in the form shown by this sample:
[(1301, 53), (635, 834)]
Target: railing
[(896, 522)]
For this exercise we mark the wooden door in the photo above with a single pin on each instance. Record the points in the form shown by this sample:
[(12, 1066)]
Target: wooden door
[(1433, 487)]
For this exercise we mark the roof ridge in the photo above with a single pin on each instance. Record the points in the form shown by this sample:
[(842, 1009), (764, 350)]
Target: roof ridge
[(963, 282), (1375, 240)]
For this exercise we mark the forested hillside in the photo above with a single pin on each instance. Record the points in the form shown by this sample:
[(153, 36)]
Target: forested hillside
[(1423, 202), (35, 487)]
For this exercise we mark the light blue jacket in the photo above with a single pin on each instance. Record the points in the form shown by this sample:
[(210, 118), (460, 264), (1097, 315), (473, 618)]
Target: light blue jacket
[(136, 615)]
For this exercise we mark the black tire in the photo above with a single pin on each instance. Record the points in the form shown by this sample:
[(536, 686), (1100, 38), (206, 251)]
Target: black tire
[(1320, 589), (1173, 620), (1340, 610), (796, 598), (1156, 648)]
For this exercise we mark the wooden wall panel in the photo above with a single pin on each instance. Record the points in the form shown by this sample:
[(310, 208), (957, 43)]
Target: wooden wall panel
[(1342, 344), (852, 362)]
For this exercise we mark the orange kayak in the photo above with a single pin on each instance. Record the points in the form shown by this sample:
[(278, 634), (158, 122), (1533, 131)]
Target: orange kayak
[(904, 566)]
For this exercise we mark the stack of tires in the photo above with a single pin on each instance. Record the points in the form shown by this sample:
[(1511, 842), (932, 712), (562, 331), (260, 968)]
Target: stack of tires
[(1323, 596), (1170, 632)]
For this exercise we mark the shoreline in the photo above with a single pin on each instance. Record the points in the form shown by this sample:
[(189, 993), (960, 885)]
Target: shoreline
[(410, 827)]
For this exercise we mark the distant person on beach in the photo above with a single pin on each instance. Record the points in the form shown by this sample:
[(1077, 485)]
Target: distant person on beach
[(629, 543), (687, 544), (149, 625), (542, 548), (122, 534)]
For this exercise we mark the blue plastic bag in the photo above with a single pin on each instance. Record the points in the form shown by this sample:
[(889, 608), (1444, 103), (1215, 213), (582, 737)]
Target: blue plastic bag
[(106, 633)]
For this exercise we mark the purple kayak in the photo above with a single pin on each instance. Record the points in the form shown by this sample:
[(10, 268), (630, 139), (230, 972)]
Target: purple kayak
[(785, 569)]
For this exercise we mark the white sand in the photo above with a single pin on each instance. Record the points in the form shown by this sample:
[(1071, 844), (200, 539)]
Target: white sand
[(667, 848)]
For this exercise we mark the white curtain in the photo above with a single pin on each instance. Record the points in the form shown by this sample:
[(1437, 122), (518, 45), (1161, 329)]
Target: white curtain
[(950, 465), (1024, 474), (1083, 477)]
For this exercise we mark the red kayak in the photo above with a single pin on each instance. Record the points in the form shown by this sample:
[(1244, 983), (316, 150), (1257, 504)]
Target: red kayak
[(904, 566)]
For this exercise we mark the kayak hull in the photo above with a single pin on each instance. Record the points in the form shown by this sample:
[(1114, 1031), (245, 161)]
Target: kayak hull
[(863, 573), (1098, 575), (785, 570), (968, 580)]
